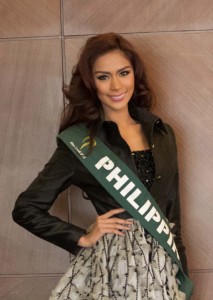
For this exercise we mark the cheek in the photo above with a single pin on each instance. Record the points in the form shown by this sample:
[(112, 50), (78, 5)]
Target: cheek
[(130, 79), (131, 82), (133, 79), (100, 88)]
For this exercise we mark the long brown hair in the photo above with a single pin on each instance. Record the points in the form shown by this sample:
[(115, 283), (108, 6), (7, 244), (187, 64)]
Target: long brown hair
[(83, 104)]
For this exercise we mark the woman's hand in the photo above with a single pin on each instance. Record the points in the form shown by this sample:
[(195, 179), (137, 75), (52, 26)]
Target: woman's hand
[(105, 224)]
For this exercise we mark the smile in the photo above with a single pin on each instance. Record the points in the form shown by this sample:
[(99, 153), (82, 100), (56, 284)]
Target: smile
[(117, 97)]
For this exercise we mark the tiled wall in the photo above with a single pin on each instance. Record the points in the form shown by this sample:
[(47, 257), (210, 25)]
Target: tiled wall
[(39, 43)]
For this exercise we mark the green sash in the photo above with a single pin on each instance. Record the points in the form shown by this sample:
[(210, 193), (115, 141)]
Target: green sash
[(127, 189)]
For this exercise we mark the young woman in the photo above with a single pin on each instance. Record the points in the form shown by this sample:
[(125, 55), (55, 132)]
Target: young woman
[(116, 258)]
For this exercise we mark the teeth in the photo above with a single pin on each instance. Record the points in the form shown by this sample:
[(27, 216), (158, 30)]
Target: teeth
[(117, 98)]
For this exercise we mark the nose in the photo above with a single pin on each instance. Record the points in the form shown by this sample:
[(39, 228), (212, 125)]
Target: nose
[(115, 83)]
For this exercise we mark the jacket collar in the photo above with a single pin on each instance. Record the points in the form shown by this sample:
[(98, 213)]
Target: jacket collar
[(108, 130), (148, 120)]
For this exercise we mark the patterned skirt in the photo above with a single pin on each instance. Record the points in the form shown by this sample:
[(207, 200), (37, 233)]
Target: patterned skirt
[(133, 267)]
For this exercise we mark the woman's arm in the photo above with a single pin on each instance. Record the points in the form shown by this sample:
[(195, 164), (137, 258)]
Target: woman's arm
[(173, 210), (173, 215), (31, 207)]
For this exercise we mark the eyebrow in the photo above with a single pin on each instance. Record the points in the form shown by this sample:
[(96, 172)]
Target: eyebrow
[(105, 72)]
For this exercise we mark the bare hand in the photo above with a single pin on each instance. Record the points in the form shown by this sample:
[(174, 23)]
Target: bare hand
[(105, 224)]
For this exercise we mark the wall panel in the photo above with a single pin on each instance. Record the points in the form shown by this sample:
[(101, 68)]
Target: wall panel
[(30, 104), (27, 18), (29, 288), (203, 286), (124, 16)]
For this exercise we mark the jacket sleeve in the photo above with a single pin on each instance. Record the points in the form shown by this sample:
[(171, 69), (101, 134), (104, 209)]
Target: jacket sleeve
[(31, 207), (173, 208)]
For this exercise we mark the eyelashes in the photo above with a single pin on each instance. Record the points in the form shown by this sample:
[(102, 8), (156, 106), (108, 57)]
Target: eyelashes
[(105, 77), (102, 77), (124, 73)]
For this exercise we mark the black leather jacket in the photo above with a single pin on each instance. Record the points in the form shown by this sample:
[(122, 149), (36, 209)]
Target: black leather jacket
[(64, 169)]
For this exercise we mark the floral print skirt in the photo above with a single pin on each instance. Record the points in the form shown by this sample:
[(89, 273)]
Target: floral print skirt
[(133, 267)]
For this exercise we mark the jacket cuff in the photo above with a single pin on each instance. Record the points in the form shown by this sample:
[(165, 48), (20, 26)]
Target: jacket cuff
[(75, 249)]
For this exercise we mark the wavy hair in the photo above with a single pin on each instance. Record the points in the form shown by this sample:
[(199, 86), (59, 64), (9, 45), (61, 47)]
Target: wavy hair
[(83, 105)]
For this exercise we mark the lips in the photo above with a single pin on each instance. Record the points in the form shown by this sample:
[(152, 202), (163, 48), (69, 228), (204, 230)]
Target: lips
[(117, 97)]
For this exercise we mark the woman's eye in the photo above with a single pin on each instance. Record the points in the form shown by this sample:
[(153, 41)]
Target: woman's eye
[(124, 73), (102, 77)]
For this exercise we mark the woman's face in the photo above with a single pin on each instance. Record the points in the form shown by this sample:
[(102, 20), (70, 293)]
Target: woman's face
[(114, 79)]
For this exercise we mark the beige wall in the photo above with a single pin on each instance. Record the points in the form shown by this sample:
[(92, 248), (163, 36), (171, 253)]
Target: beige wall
[(39, 43)]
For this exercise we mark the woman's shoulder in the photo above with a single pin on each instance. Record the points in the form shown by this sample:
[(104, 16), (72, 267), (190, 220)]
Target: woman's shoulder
[(70, 136), (169, 128), (170, 131), (62, 154), (171, 137)]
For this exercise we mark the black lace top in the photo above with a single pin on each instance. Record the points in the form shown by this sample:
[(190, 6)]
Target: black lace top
[(145, 166)]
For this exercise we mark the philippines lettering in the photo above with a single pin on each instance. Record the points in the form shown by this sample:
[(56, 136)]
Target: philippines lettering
[(125, 186)]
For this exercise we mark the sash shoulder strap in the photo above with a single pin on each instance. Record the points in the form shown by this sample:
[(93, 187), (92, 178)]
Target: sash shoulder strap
[(127, 189)]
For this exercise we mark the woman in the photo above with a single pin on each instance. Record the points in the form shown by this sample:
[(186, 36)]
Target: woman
[(116, 258)]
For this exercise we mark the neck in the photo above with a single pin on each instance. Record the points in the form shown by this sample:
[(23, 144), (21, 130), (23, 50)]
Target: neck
[(121, 118)]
